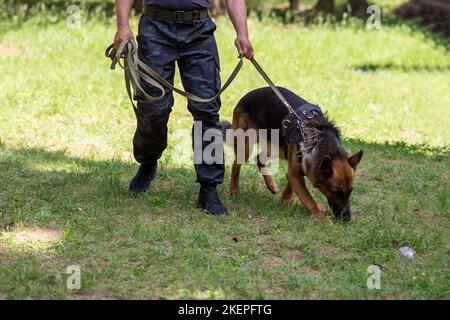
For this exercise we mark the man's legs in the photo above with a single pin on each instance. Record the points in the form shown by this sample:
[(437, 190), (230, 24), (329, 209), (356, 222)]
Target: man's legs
[(200, 74), (157, 49)]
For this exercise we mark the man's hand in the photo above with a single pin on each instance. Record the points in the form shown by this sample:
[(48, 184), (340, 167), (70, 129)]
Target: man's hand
[(123, 33), (244, 47), (237, 11)]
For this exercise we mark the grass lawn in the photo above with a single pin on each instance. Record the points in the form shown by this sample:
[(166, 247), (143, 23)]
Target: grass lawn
[(65, 163)]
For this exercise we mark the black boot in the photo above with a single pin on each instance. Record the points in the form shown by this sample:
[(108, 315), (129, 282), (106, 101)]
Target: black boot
[(142, 179), (209, 200)]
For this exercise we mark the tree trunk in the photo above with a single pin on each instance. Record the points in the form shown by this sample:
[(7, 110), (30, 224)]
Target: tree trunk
[(138, 6), (358, 7), (325, 6), (294, 5), (217, 7)]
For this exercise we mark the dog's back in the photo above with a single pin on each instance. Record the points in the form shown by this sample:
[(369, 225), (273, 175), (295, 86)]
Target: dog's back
[(265, 109)]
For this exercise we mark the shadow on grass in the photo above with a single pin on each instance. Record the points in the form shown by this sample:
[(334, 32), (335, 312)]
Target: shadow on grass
[(28, 179), (373, 67), (104, 225)]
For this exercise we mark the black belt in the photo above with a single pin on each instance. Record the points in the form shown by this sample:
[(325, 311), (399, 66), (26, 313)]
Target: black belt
[(175, 16)]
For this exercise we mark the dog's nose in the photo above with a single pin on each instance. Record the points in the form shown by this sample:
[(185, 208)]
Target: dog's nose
[(346, 216)]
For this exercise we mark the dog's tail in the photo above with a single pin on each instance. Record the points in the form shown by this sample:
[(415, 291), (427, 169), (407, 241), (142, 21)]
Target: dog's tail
[(225, 125)]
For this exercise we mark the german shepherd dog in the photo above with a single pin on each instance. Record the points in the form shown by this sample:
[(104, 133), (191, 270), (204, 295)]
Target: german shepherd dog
[(311, 144)]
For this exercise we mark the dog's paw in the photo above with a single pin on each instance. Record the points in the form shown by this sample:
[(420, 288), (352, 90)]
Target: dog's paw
[(319, 216), (273, 187)]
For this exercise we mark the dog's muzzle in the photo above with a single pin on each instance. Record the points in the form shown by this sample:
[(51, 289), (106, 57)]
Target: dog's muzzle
[(342, 212)]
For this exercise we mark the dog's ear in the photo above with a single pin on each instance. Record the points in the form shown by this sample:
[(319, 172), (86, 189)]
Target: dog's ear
[(355, 159), (326, 167)]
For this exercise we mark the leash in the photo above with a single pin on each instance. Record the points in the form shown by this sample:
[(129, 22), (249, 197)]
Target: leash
[(272, 86), (293, 116), (136, 71)]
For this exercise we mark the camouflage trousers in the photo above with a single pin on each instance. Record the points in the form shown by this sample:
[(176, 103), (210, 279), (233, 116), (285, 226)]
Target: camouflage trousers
[(162, 44)]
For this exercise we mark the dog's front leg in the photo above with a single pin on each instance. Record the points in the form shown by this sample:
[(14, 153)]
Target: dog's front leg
[(298, 185)]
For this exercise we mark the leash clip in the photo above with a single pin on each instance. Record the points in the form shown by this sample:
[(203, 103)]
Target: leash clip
[(283, 123)]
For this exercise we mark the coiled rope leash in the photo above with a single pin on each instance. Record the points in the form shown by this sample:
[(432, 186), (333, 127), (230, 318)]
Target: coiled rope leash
[(136, 71)]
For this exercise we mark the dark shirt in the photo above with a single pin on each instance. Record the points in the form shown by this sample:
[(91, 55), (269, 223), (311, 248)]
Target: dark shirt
[(179, 4)]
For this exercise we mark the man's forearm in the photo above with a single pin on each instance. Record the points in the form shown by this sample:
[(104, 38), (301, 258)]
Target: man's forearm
[(237, 11), (123, 8)]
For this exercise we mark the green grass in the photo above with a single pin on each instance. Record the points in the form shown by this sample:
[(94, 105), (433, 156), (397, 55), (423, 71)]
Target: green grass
[(65, 162)]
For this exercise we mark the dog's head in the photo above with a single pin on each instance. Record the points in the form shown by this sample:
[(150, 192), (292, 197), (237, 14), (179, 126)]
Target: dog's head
[(324, 161), (334, 178)]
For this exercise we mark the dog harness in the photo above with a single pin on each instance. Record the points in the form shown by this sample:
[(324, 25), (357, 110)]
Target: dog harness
[(294, 123), (293, 126)]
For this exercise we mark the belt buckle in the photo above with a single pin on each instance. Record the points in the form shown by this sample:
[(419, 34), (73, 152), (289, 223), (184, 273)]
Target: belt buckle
[(179, 16)]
